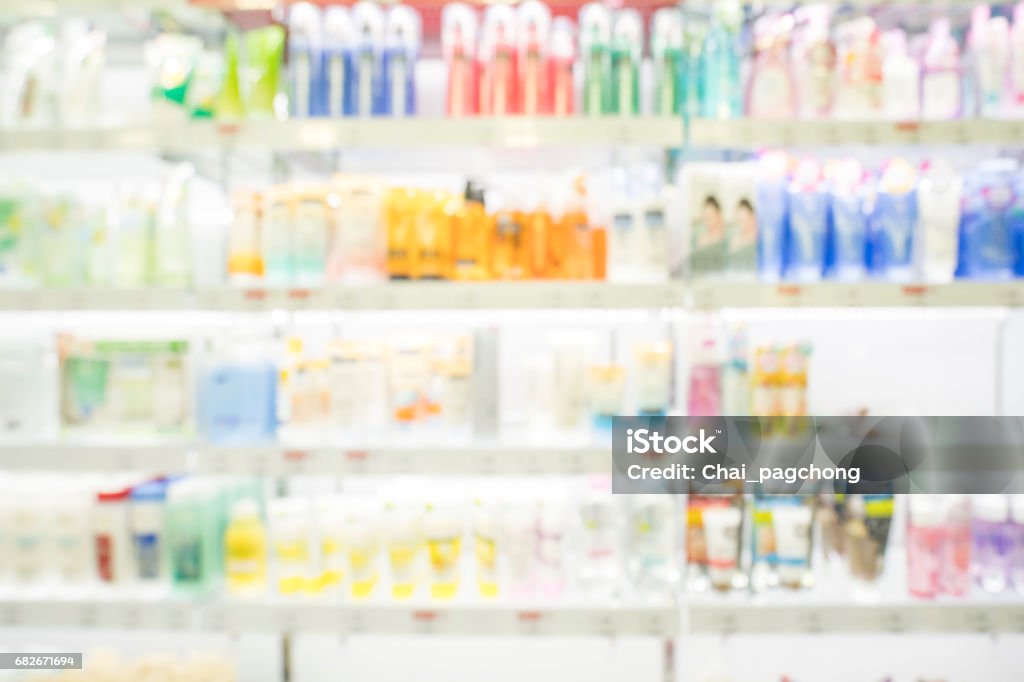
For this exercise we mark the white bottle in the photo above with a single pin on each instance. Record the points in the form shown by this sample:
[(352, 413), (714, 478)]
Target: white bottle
[(598, 556), (26, 532), (938, 209), (569, 381), (113, 543), (652, 221), (901, 79), (70, 534), (27, 391), (622, 249)]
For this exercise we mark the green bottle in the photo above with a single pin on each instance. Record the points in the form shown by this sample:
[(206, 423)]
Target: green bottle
[(667, 54), (627, 51), (193, 532), (595, 38)]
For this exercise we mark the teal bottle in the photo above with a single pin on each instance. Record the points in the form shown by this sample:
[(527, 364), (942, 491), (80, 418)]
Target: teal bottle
[(722, 95), (192, 531)]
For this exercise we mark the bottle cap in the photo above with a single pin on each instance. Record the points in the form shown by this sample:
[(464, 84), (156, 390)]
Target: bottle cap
[(245, 510)]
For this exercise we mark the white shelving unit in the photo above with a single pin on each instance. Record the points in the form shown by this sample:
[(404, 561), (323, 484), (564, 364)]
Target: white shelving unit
[(286, 461), (904, 616), (711, 295), (511, 132), (702, 295), (340, 617), (393, 296)]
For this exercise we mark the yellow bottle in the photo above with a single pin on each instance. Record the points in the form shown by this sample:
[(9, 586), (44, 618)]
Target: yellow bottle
[(363, 548), (399, 211), (434, 214), (330, 524), (245, 550), (245, 255), (485, 546), (472, 230), (444, 545), (404, 541)]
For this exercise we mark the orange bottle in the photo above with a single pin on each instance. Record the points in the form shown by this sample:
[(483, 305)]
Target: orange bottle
[(433, 235), (401, 234), (472, 231), (508, 244), (537, 235)]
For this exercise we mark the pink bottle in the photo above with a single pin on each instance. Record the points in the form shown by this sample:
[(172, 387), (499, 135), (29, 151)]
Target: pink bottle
[(956, 546), (924, 546), (533, 69), (771, 87), (941, 74), (563, 58), (458, 40), (705, 394), (498, 62)]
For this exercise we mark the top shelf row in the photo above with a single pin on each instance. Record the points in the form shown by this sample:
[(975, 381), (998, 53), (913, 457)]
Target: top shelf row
[(511, 132)]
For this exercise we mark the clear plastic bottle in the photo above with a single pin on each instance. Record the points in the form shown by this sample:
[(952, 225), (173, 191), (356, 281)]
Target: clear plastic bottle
[(443, 529), (652, 566), (599, 562), (924, 546), (192, 531), (956, 546)]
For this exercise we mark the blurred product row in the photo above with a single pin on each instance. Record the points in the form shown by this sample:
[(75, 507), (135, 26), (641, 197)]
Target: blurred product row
[(775, 217), (109, 665), (241, 387), (722, 64), (545, 541)]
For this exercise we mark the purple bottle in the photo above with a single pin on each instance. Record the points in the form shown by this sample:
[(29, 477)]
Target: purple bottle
[(993, 542), (1017, 542)]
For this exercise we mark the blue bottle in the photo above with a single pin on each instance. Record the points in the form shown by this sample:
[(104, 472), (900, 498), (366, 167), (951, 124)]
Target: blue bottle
[(894, 221), (807, 204), (771, 215), (992, 222), (401, 45), (721, 62), (364, 80), (848, 222), (305, 61), (147, 512), (238, 401), (337, 62)]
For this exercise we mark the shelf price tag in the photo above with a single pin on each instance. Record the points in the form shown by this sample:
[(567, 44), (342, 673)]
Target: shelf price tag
[(978, 620), (530, 622), (892, 621), (425, 622), (790, 294), (812, 621), (357, 461), (916, 294)]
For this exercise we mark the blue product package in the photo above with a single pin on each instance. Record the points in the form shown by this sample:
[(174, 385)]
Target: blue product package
[(305, 61), (402, 39), (238, 403), (365, 95), (894, 221), (846, 244), (992, 222), (337, 62), (771, 216), (807, 205), (148, 544)]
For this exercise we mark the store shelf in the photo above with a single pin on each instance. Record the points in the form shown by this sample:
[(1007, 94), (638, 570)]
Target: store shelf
[(711, 295), (754, 134), (30, 8), (904, 616), (285, 461), (393, 296), (343, 618), (347, 133), (512, 132)]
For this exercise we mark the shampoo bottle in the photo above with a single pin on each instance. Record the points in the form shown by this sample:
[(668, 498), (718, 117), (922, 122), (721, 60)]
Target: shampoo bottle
[(721, 93), (938, 210), (338, 40), (305, 61), (814, 56), (595, 53), (627, 50), (667, 55), (941, 77), (992, 221), (458, 41), (894, 221), (401, 47), (771, 90), (563, 59), (533, 35), (498, 62), (901, 78), (848, 221), (365, 87)]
